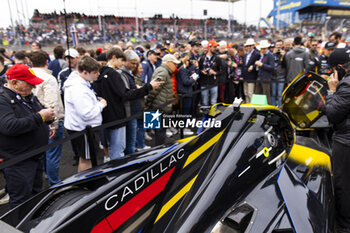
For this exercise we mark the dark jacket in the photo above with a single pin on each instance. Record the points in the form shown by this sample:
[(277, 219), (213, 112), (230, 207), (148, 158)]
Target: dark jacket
[(223, 76), (313, 62), (63, 75), (297, 60), (61, 78), (111, 87), (164, 93), (3, 76), (21, 127), (158, 62), (280, 66), (338, 111), (266, 70), (184, 81), (205, 64), (147, 71), (56, 66), (252, 75), (2, 81), (135, 105)]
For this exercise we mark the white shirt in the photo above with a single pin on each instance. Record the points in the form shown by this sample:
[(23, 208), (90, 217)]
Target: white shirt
[(248, 56), (48, 93), (81, 105)]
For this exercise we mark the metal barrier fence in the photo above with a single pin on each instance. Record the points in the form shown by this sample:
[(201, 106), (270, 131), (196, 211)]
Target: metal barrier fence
[(10, 160)]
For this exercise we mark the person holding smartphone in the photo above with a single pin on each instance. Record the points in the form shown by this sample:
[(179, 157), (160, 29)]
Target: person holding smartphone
[(338, 113)]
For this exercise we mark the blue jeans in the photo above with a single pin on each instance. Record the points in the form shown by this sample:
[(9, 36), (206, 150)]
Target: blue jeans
[(213, 96), (116, 142), (53, 157), (131, 128), (140, 134), (276, 91), (186, 105)]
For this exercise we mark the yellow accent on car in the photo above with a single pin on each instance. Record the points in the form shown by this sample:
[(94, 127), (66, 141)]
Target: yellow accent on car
[(175, 199), (266, 152), (202, 149), (312, 115), (310, 157), (213, 111), (261, 107), (183, 140), (291, 83)]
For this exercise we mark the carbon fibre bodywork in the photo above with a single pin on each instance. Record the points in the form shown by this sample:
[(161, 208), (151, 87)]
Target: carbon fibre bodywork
[(251, 175)]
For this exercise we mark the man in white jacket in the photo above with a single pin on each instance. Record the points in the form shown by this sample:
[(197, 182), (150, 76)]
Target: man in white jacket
[(82, 107), (48, 94)]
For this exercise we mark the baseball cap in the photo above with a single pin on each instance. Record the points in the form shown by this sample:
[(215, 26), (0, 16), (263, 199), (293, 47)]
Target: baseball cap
[(138, 52), (24, 73), (212, 43), (151, 51), (140, 49), (194, 43), (330, 45), (159, 46), (223, 43), (71, 53), (339, 56), (229, 45), (170, 57), (100, 50)]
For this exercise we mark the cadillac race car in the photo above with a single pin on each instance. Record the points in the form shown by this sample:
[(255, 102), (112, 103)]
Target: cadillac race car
[(253, 174)]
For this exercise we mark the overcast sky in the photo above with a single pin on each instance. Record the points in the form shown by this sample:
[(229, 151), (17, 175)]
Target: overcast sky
[(145, 8)]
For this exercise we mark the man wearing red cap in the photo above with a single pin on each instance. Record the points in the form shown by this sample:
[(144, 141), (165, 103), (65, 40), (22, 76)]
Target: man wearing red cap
[(23, 128)]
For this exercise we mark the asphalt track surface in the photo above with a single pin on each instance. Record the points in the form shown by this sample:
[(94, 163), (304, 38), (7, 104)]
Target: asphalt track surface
[(66, 166)]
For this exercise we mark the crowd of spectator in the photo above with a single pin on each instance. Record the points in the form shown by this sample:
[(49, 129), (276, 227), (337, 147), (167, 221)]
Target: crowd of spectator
[(50, 29)]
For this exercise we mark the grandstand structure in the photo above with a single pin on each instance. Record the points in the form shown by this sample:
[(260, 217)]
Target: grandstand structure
[(119, 27), (330, 14)]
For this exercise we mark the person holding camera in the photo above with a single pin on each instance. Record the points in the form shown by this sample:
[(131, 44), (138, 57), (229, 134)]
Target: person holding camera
[(313, 56), (279, 76), (338, 113), (323, 67), (185, 79), (209, 66)]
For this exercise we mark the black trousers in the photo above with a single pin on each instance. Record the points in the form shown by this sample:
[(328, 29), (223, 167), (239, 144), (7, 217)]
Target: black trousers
[(341, 172), (23, 181), (160, 135)]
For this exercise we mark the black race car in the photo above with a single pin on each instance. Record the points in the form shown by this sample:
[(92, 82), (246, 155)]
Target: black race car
[(253, 174)]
